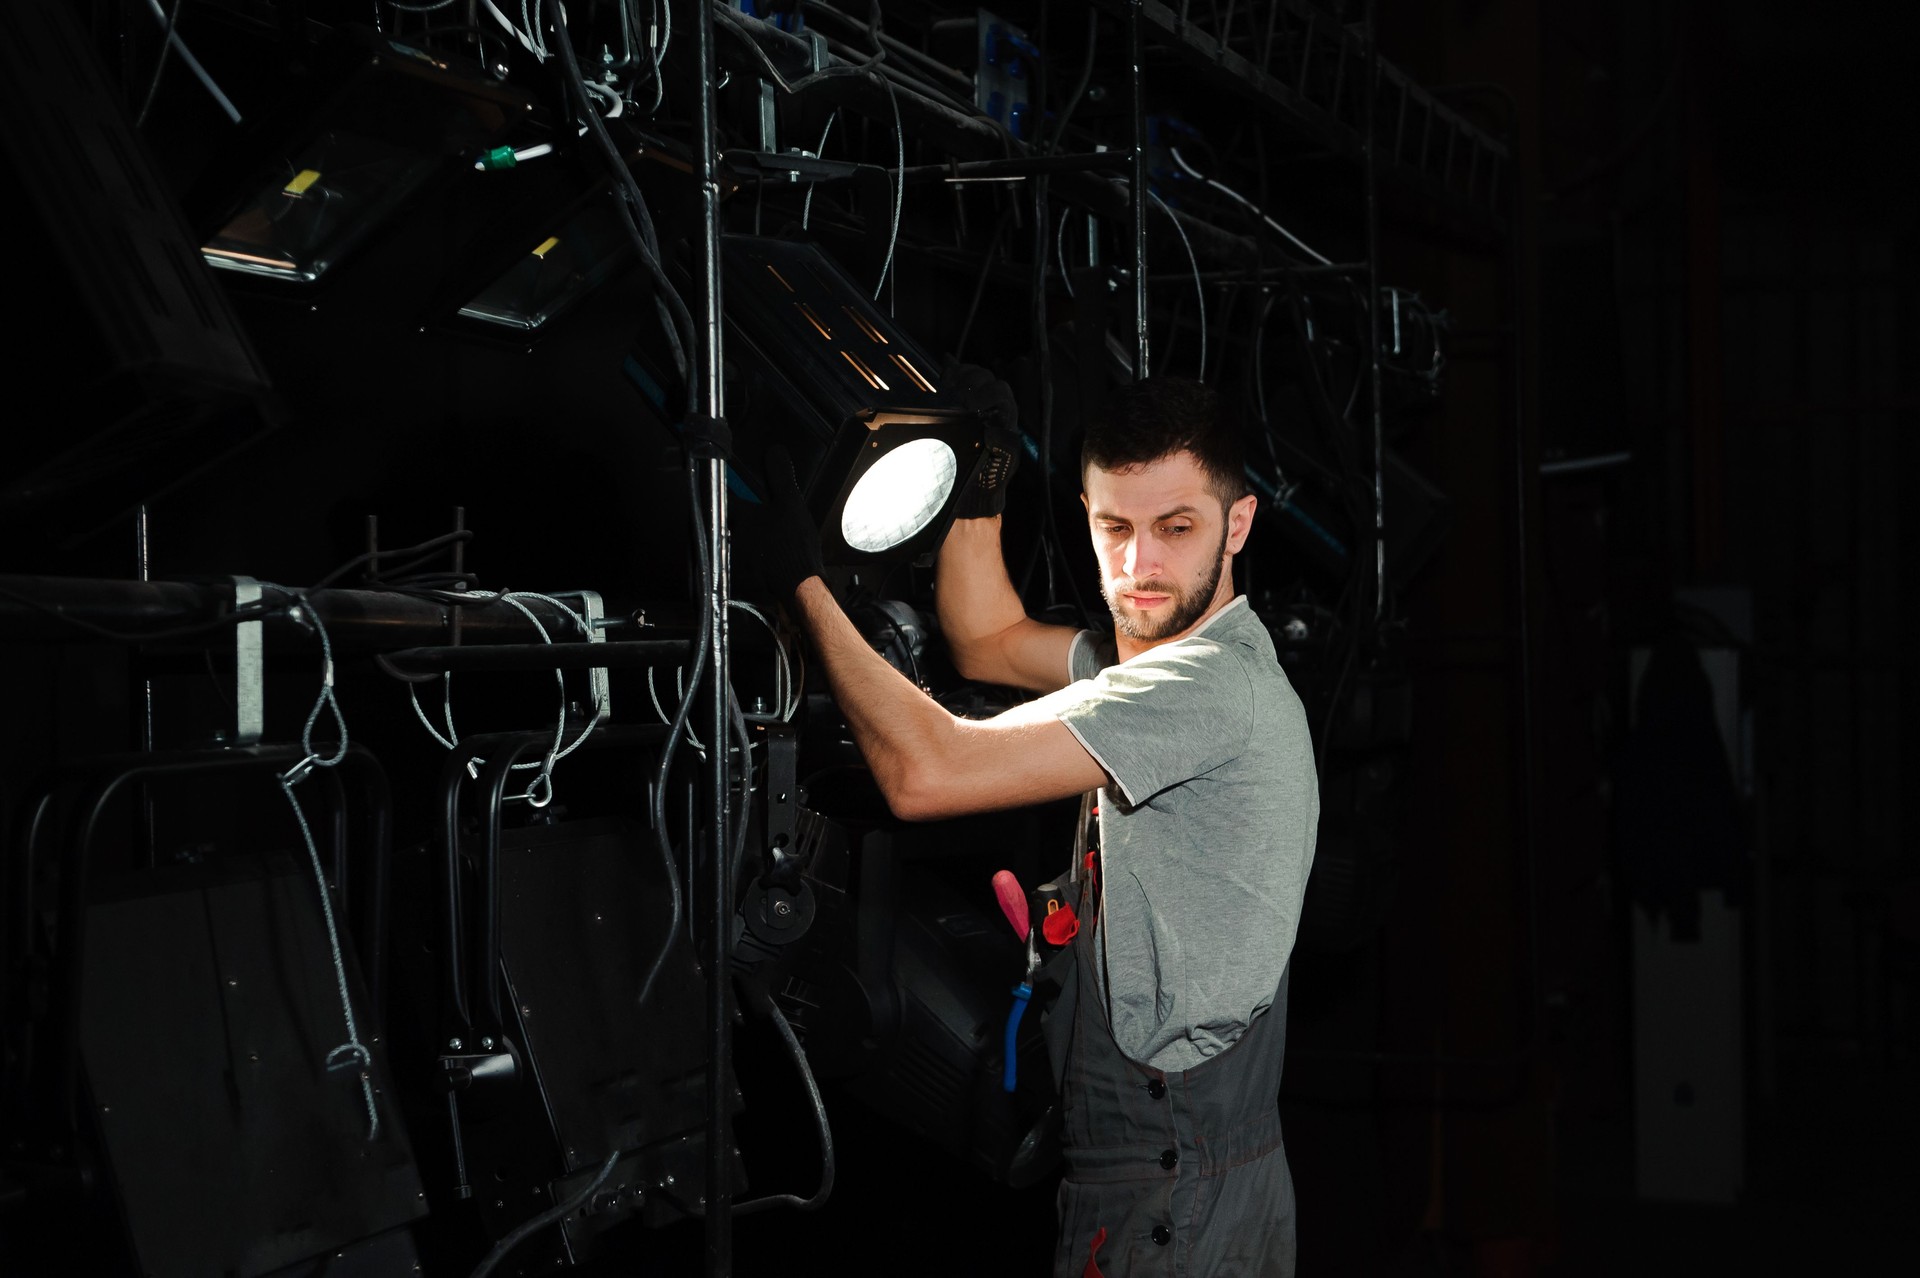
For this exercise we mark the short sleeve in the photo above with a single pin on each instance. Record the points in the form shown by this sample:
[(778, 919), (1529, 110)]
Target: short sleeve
[(1088, 655), (1167, 716)]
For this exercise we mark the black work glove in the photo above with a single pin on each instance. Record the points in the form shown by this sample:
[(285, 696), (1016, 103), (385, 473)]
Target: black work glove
[(976, 388), (789, 541)]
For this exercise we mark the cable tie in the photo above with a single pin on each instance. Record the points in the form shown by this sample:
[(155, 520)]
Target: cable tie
[(707, 437)]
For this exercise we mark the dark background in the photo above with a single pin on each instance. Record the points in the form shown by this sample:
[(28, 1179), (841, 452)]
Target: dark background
[(1676, 416)]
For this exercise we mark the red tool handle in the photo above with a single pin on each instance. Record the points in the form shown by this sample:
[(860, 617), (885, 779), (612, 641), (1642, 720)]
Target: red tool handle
[(1013, 901)]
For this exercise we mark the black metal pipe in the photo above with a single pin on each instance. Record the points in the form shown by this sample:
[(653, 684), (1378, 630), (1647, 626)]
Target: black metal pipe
[(709, 400), (630, 654), (1137, 196), (1025, 166), (1370, 147), (58, 608), (452, 918)]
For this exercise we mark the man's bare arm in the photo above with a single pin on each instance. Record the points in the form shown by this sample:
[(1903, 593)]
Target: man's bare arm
[(930, 764), (988, 631)]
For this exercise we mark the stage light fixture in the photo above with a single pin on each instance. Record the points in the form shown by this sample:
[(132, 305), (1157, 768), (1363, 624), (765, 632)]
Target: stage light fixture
[(881, 452), (316, 206), (377, 120), (586, 248)]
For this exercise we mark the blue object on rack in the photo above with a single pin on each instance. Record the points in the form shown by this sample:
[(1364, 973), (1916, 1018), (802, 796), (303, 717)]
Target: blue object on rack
[(1022, 993)]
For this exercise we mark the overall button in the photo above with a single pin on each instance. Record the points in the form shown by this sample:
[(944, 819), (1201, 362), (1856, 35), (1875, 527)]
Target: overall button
[(1168, 1158), (1157, 1088), (1162, 1235)]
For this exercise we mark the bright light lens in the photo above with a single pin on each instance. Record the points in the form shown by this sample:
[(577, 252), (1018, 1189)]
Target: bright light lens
[(899, 496)]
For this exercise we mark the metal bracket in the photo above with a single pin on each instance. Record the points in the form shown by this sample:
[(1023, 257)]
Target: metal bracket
[(249, 669), (594, 609), (782, 791), (768, 119)]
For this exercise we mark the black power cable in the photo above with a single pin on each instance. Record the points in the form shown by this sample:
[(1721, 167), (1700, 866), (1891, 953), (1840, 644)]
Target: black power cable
[(632, 204), (557, 1212), (1052, 142), (676, 732), (415, 556), (159, 65), (764, 1001)]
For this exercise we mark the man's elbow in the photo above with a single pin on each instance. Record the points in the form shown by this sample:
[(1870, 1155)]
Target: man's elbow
[(914, 793), (970, 662)]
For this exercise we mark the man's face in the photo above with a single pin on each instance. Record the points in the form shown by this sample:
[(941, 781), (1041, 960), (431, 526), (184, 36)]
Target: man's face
[(1163, 541)]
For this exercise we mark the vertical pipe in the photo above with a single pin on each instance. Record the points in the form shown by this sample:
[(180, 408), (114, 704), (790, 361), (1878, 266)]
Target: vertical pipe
[(1371, 87), (709, 401), (1137, 100), (1525, 473), (143, 564)]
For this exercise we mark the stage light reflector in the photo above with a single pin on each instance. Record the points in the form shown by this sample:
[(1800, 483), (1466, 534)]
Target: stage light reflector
[(880, 449), (899, 495)]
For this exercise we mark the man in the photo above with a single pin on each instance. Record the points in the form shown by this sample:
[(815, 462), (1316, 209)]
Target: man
[(1170, 1027)]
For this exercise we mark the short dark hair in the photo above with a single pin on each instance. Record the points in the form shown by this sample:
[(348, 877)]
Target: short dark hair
[(1160, 416)]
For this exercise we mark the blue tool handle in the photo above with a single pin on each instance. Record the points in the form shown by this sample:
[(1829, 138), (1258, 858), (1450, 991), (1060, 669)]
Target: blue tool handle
[(1021, 993)]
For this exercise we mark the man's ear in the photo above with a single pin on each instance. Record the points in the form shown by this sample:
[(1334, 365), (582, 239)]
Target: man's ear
[(1240, 522), (1083, 504)]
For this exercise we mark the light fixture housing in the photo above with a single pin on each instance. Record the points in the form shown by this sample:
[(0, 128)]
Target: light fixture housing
[(378, 120), (881, 452), (554, 271)]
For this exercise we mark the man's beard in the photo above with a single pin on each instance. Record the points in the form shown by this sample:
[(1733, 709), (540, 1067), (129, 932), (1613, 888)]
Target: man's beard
[(1181, 610)]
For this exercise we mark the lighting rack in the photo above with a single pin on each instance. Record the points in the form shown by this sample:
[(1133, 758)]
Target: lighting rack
[(1309, 70)]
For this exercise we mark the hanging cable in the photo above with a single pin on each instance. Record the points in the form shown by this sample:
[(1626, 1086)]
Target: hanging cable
[(664, 771), (899, 185), (1181, 162), (174, 42), (1060, 250), (353, 1051), (1043, 358), (159, 66), (538, 36), (783, 665), (663, 25), (820, 150), (765, 1003), (1079, 86), (526, 41), (677, 320), (898, 182), (419, 552), (1199, 290), (540, 791)]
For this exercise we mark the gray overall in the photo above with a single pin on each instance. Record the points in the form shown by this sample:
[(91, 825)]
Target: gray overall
[(1167, 1174)]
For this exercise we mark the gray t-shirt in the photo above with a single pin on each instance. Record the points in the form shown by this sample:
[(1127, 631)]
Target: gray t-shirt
[(1206, 831)]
